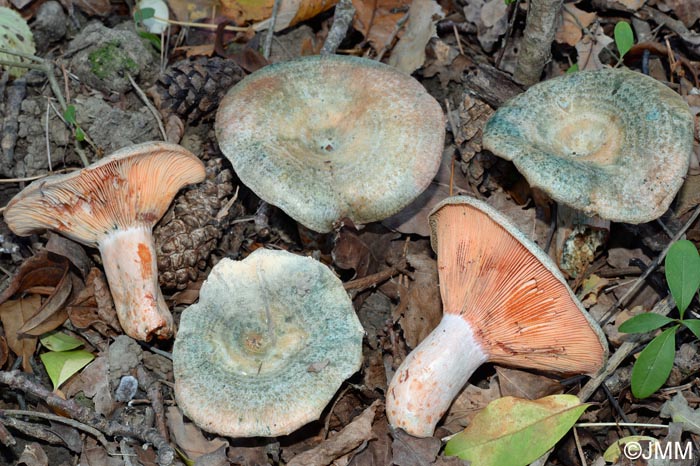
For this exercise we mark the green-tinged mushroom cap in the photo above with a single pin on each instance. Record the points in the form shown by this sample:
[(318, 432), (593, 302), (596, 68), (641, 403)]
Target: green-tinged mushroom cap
[(611, 142), (267, 346), (329, 137)]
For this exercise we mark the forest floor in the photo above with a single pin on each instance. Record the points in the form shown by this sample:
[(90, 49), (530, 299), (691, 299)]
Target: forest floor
[(113, 84)]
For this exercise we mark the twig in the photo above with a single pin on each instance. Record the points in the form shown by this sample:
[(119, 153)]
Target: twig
[(25, 383), (394, 33), (262, 25), (376, 278), (149, 105), (271, 29), (342, 17), (663, 307), (64, 420), (620, 424), (536, 48), (581, 456), (655, 263), (46, 134)]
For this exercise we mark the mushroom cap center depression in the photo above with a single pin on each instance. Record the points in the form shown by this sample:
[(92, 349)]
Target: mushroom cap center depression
[(585, 136), (260, 345)]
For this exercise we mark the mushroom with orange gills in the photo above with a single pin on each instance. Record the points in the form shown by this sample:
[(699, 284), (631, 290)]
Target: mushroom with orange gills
[(112, 205), (504, 301)]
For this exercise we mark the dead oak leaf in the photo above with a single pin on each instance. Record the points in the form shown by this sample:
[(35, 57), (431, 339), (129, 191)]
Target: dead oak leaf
[(589, 48), (573, 21), (352, 436), (189, 437), (13, 315), (377, 20)]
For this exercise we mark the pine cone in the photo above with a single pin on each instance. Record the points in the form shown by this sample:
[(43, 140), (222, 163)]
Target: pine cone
[(190, 231), (192, 89)]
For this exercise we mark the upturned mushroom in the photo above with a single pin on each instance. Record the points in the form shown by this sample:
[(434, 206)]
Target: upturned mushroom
[(113, 205), (504, 301), (265, 360), (331, 137), (612, 142)]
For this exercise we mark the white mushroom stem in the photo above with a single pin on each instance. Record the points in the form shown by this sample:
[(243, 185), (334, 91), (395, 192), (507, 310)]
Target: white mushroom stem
[(432, 375), (129, 258)]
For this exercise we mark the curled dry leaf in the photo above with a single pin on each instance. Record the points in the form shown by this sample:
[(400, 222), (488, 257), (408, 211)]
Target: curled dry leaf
[(33, 455), (189, 437), (352, 435), (93, 306), (290, 12), (409, 53), (409, 450), (573, 22), (522, 384), (13, 315), (589, 48), (377, 20)]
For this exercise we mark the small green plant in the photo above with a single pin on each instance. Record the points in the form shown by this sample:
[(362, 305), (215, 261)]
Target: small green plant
[(140, 15), (624, 39), (654, 364), (63, 360), (69, 116)]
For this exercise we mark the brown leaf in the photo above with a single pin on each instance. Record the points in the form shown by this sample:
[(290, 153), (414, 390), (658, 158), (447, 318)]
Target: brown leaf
[(189, 437), (33, 455), (351, 252), (93, 381), (215, 458), (688, 196), (469, 402), (523, 384), (72, 251), (93, 7), (358, 431), (13, 315), (52, 313), (378, 452), (290, 12), (573, 20), (409, 53), (420, 309), (42, 269), (4, 351), (410, 451), (93, 306), (376, 19), (589, 48), (192, 10), (94, 454)]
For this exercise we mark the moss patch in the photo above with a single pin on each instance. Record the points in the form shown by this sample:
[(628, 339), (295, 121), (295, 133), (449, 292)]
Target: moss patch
[(110, 59)]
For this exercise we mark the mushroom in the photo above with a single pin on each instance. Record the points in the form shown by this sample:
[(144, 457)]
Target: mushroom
[(611, 142), (265, 360), (329, 137), (504, 301), (113, 205)]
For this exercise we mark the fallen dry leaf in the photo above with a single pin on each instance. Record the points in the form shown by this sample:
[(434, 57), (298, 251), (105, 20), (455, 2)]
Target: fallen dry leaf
[(589, 48), (90, 7), (290, 12), (469, 402), (93, 381), (13, 315), (409, 52), (591, 288), (350, 252), (689, 195), (93, 306), (420, 309), (376, 20), (522, 384), (4, 351), (378, 451), (410, 451), (215, 458), (491, 20), (352, 435), (33, 455), (192, 10), (189, 437), (573, 21), (94, 454)]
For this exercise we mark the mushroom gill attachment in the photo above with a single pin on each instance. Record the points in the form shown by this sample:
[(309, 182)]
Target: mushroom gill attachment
[(267, 358), (113, 205), (504, 301), (612, 142), (329, 137)]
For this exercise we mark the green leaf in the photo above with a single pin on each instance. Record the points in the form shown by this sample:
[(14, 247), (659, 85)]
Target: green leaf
[(515, 432), (69, 114), (654, 364), (643, 323), (624, 38), (61, 365), (145, 13), (683, 273), (79, 134), (613, 452), (693, 325), (58, 341), (152, 38), (572, 69)]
